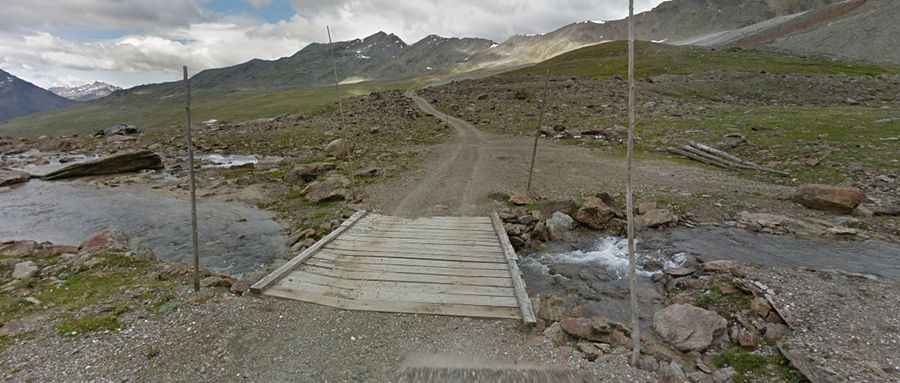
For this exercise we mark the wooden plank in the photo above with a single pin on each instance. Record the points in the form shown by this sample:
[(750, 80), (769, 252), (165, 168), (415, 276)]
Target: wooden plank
[(419, 240), (432, 248), (387, 218), (427, 229), (328, 255), (417, 255), (481, 235), (432, 288), (518, 284), (425, 270), (415, 250), (396, 307), (290, 265), (400, 277), (401, 295)]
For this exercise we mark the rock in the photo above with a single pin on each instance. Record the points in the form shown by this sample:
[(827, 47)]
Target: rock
[(680, 271), (760, 306), (107, 239), (723, 375), (482, 96), (12, 177), (723, 266), (578, 327), (829, 198), (119, 163), (884, 211), (590, 350), (239, 287), (673, 371), (527, 220), (118, 129), (775, 331), (547, 208), (747, 338), (339, 148), (520, 199), (594, 213), (333, 188), (216, 281), (556, 335), (559, 224), (688, 328), (369, 172), (699, 377), (308, 172), (648, 363), (24, 270), (645, 207), (521, 95), (656, 218), (550, 308), (601, 324)]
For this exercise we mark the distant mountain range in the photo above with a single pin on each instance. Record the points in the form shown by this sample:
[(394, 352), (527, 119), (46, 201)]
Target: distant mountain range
[(19, 97), (86, 92)]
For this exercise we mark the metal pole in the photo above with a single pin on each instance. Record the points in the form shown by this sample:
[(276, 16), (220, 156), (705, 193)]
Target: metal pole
[(337, 92), (190, 149), (629, 196), (537, 131)]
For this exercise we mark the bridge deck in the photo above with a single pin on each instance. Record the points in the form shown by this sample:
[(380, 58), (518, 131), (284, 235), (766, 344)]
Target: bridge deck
[(439, 265)]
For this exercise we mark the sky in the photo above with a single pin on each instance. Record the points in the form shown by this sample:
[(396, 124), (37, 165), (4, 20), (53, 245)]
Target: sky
[(133, 42)]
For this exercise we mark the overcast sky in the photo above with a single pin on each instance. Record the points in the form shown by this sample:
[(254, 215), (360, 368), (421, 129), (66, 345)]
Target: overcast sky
[(132, 42)]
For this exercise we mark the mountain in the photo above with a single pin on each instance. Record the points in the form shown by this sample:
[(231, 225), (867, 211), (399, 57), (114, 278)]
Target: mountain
[(86, 92), (19, 98)]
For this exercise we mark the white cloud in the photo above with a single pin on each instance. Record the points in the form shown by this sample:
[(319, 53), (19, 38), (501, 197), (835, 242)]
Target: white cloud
[(161, 35)]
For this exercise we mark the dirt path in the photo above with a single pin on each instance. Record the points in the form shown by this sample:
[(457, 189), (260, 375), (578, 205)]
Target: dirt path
[(458, 176)]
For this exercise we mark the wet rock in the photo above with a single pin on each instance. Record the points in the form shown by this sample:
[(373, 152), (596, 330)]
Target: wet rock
[(594, 213), (12, 177), (308, 172), (339, 148), (656, 218), (559, 224), (333, 188), (688, 328), (120, 163), (24, 270), (829, 198)]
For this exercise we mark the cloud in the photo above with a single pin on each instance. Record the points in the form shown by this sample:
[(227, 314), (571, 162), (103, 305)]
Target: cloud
[(153, 38)]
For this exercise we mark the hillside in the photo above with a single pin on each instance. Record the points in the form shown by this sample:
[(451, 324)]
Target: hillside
[(20, 98)]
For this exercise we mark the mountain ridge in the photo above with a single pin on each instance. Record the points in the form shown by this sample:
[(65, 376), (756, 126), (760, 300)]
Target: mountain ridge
[(85, 92), (19, 98)]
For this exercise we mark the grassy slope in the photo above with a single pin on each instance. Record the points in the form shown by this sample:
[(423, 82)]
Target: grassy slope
[(153, 110), (604, 60)]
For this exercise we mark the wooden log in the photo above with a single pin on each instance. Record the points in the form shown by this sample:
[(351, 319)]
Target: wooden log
[(697, 158), (748, 164)]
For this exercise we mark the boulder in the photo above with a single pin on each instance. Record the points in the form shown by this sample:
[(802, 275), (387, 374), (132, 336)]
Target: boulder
[(308, 172), (578, 327), (656, 218), (594, 213), (339, 148), (333, 188), (119, 163), (369, 172), (723, 266), (688, 328), (559, 224), (12, 177), (23, 270), (520, 199), (118, 129), (829, 198), (107, 239)]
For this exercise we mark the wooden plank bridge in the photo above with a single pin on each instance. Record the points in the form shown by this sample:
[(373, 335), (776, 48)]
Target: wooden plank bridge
[(461, 266)]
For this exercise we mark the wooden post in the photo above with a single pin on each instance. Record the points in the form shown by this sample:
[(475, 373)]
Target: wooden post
[(337, 91), (537, 131), (629, 197), (190, 150)]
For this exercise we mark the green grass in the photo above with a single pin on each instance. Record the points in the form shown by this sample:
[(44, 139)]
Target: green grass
[(162, 106), (88, 324), (609, 59), (750, 367)]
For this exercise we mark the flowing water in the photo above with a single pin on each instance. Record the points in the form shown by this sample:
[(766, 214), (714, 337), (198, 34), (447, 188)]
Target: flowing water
[(234, 238)]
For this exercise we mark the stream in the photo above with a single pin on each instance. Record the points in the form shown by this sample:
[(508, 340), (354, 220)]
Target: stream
[(235, 238)]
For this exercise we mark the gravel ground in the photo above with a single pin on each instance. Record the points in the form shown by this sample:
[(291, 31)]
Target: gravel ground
[(846, 328)]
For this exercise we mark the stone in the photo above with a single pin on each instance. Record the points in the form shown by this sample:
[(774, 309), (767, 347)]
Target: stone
[(648, 363), (760, 306), (590, 350), (594, 213), (559, 224), (680, 271), (339, 148), (550, 308), (239, 287), (699, 377), (747, 338), (520, 199), (333, 188), (119, 163), (556, 335), (656, 218), (829, 198), (688, 328), (722, 266), (118, 129), (12, 177), (645, 207), (527, 219), (308, 172), (723, 375), (369, 172), (23, 270), (601, 324), (216, 281), (577, 327), (106, 239), (775, 331)]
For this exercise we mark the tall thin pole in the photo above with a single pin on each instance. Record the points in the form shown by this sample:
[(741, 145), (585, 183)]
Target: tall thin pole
[(537, 130), (337, 92), (629, 196), (190, 149)]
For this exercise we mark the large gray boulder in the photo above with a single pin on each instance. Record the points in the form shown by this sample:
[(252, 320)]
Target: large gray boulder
[(339, 148), (119, 163), (308, 172), (333, 188), (24, 270), (559, 224), (830, 198), (688, 328)]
